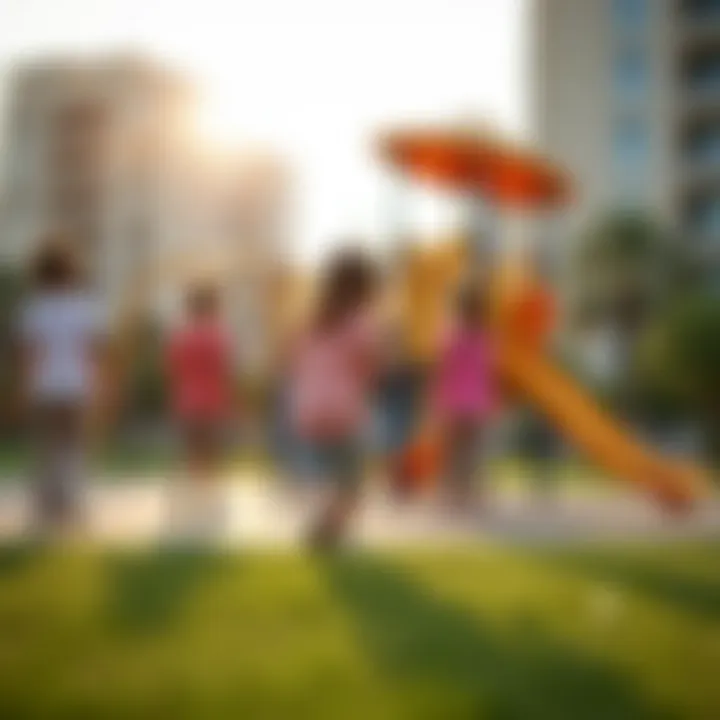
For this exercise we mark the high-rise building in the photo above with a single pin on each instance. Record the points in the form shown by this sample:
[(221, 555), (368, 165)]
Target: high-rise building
[(627, 97), (105, 151), (230, 224), (87, 146)]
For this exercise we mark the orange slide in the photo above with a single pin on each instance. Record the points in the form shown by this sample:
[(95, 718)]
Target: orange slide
[(674, 483)]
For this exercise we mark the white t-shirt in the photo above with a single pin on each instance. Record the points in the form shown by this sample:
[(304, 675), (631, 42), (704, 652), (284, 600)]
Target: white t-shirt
[(61, 330)]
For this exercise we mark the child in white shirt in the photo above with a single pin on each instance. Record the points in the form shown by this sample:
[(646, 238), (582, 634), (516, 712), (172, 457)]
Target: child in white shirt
[(59, 337)]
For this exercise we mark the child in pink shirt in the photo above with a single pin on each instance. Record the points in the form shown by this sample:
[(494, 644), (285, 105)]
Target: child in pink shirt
[(201, 381), (331, 379), (465, 391)]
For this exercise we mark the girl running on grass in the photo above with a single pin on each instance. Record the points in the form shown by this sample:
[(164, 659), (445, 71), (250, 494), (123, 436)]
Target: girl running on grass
[(332, 374)]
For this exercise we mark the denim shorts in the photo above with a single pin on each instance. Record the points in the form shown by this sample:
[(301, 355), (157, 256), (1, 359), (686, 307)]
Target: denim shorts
[(335, 461), (399, 401)]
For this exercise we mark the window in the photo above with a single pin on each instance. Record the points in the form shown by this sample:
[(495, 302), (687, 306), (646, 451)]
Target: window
[(702, 10), (631, 144), (705, 216), (630, 159), (704, 146), (704, 74), (630, 72), (630, 13)]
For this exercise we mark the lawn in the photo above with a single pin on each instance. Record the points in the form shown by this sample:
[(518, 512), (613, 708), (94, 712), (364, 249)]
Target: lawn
[(484, 632), (120, 463), (116, 462)]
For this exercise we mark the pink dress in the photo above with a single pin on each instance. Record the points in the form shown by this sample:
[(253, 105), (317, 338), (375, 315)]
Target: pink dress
[(201, 373), (330, 380), (465, 388)]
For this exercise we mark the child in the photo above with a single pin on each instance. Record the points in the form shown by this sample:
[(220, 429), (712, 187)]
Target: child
[(399, 396), (201, 384), (60, 342), (424, 278), (464, 393), (331, 377)]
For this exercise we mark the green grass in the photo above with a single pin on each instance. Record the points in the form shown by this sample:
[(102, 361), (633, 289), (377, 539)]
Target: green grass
[(115, 462), (15, 458), (487, 632)]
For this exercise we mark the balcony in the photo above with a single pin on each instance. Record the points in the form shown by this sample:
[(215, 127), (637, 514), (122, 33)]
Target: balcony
[(696, 34), (701, 154), (700, 78), (698, 26), (702, 221), (700, 10), (630, 17)]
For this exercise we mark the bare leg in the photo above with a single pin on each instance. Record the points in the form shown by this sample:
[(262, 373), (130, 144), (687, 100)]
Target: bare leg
[(333, 520), (342, 501), (195, 506), (462, 440), (401, 484), (58, 481)]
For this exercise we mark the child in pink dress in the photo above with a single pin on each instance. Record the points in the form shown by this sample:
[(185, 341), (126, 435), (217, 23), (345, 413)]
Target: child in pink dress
[(465, 392), (331, 380), (201, 382)]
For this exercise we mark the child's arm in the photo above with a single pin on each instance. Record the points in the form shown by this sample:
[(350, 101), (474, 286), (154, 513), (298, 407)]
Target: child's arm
[(372, 343), (495, 381), (432, 403), (22, 358), (235, 381), (105, 395)]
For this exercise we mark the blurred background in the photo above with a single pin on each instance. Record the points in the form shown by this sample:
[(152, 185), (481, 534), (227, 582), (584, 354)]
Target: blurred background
[(172, 141), (237, 143)]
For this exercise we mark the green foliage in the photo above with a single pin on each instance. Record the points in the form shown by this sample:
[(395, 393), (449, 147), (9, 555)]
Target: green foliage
[(623, 238), (625, 267), (146, 390), (682, 351), (11, 290), (633, 279), (679, 360)]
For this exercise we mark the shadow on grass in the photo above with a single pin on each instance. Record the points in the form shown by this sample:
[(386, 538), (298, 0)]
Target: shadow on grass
[(16, 558), (149, 590), (698, 596), (421, 643)]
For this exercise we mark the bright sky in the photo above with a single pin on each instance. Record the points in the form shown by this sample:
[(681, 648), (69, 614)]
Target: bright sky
[(314, 78)]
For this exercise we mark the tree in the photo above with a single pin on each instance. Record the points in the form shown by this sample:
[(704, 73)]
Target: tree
[(680, 360), (145, 388), (11, 289), (626, 271), (626, 266)]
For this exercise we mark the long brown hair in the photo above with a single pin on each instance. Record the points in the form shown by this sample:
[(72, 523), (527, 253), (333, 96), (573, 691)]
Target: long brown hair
[(202, 300), (349, 281), (55, 265)]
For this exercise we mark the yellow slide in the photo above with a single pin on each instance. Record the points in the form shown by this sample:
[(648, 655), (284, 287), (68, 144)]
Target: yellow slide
[(674, 483)]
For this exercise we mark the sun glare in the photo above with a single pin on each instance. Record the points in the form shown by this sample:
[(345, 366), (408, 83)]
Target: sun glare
[(219, 120)]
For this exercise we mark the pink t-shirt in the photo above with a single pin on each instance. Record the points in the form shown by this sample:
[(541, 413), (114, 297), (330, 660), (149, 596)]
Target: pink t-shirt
[(330, 379), (464, 388), (200, 365)]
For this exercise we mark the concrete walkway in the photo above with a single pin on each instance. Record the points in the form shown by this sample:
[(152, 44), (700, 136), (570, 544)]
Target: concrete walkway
[(251, 512)]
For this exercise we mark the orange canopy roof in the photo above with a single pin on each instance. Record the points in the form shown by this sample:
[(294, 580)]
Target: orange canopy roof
[(471, 161)]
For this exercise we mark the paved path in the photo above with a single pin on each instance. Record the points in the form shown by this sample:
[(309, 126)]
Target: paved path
[(256, 513)]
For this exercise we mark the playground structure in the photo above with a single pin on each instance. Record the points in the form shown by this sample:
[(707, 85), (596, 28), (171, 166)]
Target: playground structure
[(515, 182)]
